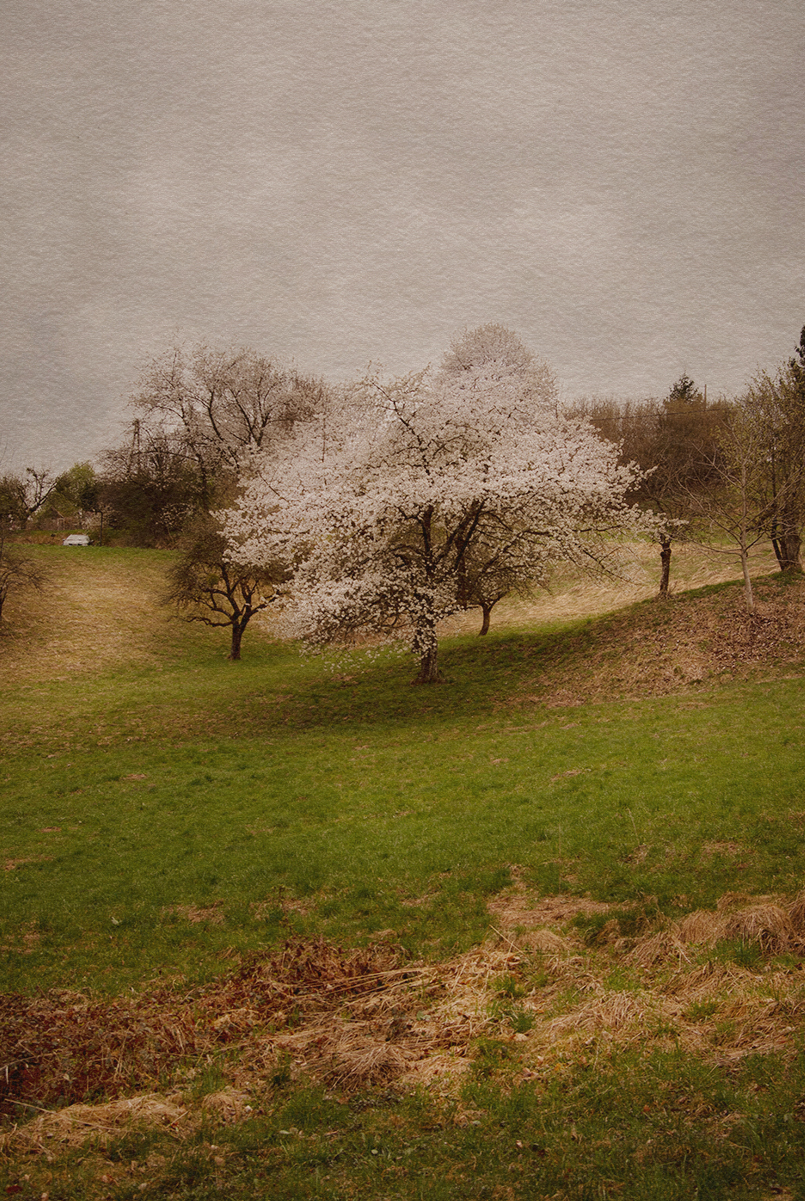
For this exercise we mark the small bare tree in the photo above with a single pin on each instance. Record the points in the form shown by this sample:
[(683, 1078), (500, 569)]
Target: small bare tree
[(737, 509), (23, 496), (205, 586), (494, 568), (17, 572), (776, 406), (675, 444)]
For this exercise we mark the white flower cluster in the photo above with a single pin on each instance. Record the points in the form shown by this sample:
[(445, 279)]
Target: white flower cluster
[(415, 497)]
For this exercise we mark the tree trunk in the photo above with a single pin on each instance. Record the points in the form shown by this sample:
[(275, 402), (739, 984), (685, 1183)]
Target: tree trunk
[(487, 612), (428, 667), (665, 560), (750, 596), (788, 553), (237, 636), (426, 645)]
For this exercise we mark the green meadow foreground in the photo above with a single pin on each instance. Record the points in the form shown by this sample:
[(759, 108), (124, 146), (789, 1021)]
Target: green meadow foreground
[(294, 928)]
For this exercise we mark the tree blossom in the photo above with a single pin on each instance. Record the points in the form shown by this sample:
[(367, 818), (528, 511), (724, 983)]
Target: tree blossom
[(392, 509)]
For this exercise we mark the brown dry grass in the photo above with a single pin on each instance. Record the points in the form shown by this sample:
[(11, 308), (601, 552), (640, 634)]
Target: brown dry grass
[(678, 993), (101, 610), (61, 1129), (97, 611), (211, 915), (574, 594), (367, 1017), (673, 646)]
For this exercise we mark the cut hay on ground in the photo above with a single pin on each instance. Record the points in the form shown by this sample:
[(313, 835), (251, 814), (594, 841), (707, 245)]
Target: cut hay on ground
[(367, 1018), (61, 1129), (773, 928)]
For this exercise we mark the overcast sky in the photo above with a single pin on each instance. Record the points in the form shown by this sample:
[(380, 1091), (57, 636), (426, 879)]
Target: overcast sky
[(337, 181)]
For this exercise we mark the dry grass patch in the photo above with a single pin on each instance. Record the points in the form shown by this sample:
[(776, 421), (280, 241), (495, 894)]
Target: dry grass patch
[(732, 849), (97, 612), (536, 922), (197, 915), (719, 1009), (775, 929), (63, 1129), (11, 865), (24, 941), (574, 594), (368, 1018), (673, 645)]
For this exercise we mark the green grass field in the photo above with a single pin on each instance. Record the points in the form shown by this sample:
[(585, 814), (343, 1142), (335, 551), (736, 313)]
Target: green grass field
[(168, 817)]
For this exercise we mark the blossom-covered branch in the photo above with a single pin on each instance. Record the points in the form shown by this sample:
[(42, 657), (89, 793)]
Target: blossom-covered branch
[(428, 493)]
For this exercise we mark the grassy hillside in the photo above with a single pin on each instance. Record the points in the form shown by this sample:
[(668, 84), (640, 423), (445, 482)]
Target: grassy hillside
[(101, 608), (583, 850)]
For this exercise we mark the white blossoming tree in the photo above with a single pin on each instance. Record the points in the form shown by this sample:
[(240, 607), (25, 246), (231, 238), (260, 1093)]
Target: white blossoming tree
[(420, 492)]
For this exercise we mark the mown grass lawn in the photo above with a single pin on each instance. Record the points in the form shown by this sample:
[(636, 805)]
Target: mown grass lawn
[(165, 815), (280, 798)]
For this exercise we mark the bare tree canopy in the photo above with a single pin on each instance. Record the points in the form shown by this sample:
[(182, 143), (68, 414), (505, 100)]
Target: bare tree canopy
[(201, 415), (17, 571), (675, 444), (221, 406)]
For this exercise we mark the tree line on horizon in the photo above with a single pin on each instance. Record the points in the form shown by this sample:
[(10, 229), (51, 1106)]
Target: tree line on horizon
[(381, 506)]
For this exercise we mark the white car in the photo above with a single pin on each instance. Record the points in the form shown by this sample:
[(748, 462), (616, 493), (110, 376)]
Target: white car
[(77, 540)]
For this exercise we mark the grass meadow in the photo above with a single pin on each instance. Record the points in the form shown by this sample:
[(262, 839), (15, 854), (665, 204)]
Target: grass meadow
[(294, 928)]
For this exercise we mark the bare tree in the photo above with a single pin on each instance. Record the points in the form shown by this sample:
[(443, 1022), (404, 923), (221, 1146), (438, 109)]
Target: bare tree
[(675, 444), (493, 568), (736, 510), (776, 406), (206, 586), (201, 416), (17, 572), (220, 407), (23, 496)]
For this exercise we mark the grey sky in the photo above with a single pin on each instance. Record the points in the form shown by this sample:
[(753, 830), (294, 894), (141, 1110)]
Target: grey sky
[(338, 182)]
